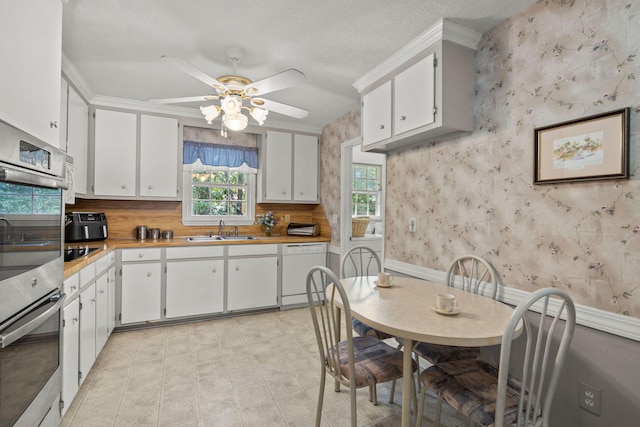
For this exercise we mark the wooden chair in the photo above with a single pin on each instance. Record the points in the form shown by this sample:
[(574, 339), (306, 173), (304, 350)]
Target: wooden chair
[(354, 362), (489, 395), (362, 261)]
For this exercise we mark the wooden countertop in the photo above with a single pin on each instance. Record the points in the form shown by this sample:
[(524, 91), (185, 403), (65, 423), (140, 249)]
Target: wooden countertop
[(111, 244)]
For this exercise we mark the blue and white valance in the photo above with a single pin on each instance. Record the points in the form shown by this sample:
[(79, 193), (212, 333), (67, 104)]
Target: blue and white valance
[(210, 157)]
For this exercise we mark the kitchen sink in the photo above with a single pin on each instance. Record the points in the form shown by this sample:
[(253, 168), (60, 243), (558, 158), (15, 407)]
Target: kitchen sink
[(204, 238), (217, 238)]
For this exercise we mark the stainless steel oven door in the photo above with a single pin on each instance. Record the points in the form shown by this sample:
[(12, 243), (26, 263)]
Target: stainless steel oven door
[(31, 238), (30, 378)]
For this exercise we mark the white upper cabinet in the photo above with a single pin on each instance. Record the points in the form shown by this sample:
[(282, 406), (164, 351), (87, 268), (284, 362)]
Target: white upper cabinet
[(115, 153), (376, 114), (77, 134), (421, 93), (158, 156), (414, 96), (288, 168), (118, 169), (31, 46)]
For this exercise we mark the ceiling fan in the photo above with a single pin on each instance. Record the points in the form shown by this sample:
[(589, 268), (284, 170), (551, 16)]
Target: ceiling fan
[(233, 91)]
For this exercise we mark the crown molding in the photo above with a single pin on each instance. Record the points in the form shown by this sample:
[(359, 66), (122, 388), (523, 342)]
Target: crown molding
[(443, 30), (73, 77)]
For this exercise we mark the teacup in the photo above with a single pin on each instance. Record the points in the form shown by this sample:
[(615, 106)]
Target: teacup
[(384, 279), (446, 302)]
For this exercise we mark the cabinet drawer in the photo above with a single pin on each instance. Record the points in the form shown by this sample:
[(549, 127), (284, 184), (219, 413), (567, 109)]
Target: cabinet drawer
[(111, 257), (140, 254), (239, 250), (71, 286), (101, 264), (195, 252), (87, 274)]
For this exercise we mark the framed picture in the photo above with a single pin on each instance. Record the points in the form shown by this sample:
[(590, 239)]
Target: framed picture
[(591, 148)]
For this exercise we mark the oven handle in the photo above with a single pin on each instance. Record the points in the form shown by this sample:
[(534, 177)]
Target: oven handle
[(13, 335), (20, 177)]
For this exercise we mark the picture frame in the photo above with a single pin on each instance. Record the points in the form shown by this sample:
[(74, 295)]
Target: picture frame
[(586, 149)]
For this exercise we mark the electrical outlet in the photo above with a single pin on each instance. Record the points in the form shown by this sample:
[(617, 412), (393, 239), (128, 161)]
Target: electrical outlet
[(412, 225), (589, 398), (287, 218)]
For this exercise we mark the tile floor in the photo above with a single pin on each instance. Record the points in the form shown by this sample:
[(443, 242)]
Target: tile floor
[(254, 370)]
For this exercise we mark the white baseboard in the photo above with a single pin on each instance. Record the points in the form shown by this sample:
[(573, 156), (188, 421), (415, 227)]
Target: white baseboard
[(612, 323)]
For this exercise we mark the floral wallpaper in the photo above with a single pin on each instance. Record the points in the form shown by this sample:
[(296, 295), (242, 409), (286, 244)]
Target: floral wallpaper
[(557, 61)]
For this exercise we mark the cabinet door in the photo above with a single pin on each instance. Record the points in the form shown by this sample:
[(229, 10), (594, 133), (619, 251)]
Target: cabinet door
[(158, 156), (111, 299), (195, 287), (87, 330), (70, 352), (414, 96), (278, 166), (252, 283), (102, 313), (305, 168), (115, 154), (77, 139), (376, 114), (31, 46), (140, 292)]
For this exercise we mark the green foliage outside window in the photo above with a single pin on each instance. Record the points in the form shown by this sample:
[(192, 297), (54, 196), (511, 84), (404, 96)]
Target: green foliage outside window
[(25, 200), (365, 190), (219, 193)]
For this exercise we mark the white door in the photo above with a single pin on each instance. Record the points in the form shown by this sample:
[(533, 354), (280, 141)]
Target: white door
[(253, 283), (195, 287), (102, 312), (111, 304), (158, 156), (414, 96), (376, 114), (115, 153), (278, 167), (87, 330), (140, 292), (305, 168), (70, 352)]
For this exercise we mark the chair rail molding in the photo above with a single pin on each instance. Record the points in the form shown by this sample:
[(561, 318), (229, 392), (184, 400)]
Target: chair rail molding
[(605, 321)]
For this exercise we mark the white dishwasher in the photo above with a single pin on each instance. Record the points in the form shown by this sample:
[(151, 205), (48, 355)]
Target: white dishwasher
[(297, 260)]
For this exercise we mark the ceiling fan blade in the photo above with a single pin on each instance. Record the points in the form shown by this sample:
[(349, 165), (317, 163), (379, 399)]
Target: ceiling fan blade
[(196, 72), (203, 98), (276, 82), (277, 107)]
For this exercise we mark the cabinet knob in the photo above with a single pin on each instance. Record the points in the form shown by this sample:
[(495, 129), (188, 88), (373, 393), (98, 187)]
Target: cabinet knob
[(53, 125), (140, 255), (150, 187), (149, 274), (381, 126), (73, 288), (93, 300), (124, 186), (101, 292), (284, 193), (237, 268), (214, 270), (75, 320), (403, 117)]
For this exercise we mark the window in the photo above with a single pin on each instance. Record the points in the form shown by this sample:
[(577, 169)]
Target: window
[(27, 200), (365, 190), (219, 194)]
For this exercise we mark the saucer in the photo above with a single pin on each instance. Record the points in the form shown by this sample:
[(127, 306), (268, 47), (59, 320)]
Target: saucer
[(446, 313), (383, 286)]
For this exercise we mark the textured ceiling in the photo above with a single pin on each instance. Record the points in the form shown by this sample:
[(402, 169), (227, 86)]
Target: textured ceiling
[(114, 46)]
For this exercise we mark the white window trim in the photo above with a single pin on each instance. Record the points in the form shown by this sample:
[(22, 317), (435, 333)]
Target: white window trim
[(188, 219)]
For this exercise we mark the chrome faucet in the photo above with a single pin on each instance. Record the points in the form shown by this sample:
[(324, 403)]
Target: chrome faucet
[(220, 227), (8, 227), (235, 227)]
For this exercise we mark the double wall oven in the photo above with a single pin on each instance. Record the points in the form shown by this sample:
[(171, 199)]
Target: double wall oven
[(31, 276)]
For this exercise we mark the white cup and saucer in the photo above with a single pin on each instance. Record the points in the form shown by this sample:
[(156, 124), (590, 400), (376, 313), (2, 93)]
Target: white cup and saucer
[(446, 304), (384, 280)]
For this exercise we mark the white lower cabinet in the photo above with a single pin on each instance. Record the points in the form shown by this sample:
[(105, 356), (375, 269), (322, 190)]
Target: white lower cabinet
[(111, 300), (102, 310), (252, 283), (141, 292), (70, 351), (87, 330), (194, 287)]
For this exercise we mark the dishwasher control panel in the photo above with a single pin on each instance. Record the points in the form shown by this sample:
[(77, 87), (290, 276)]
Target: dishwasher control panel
[(304, 248)]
